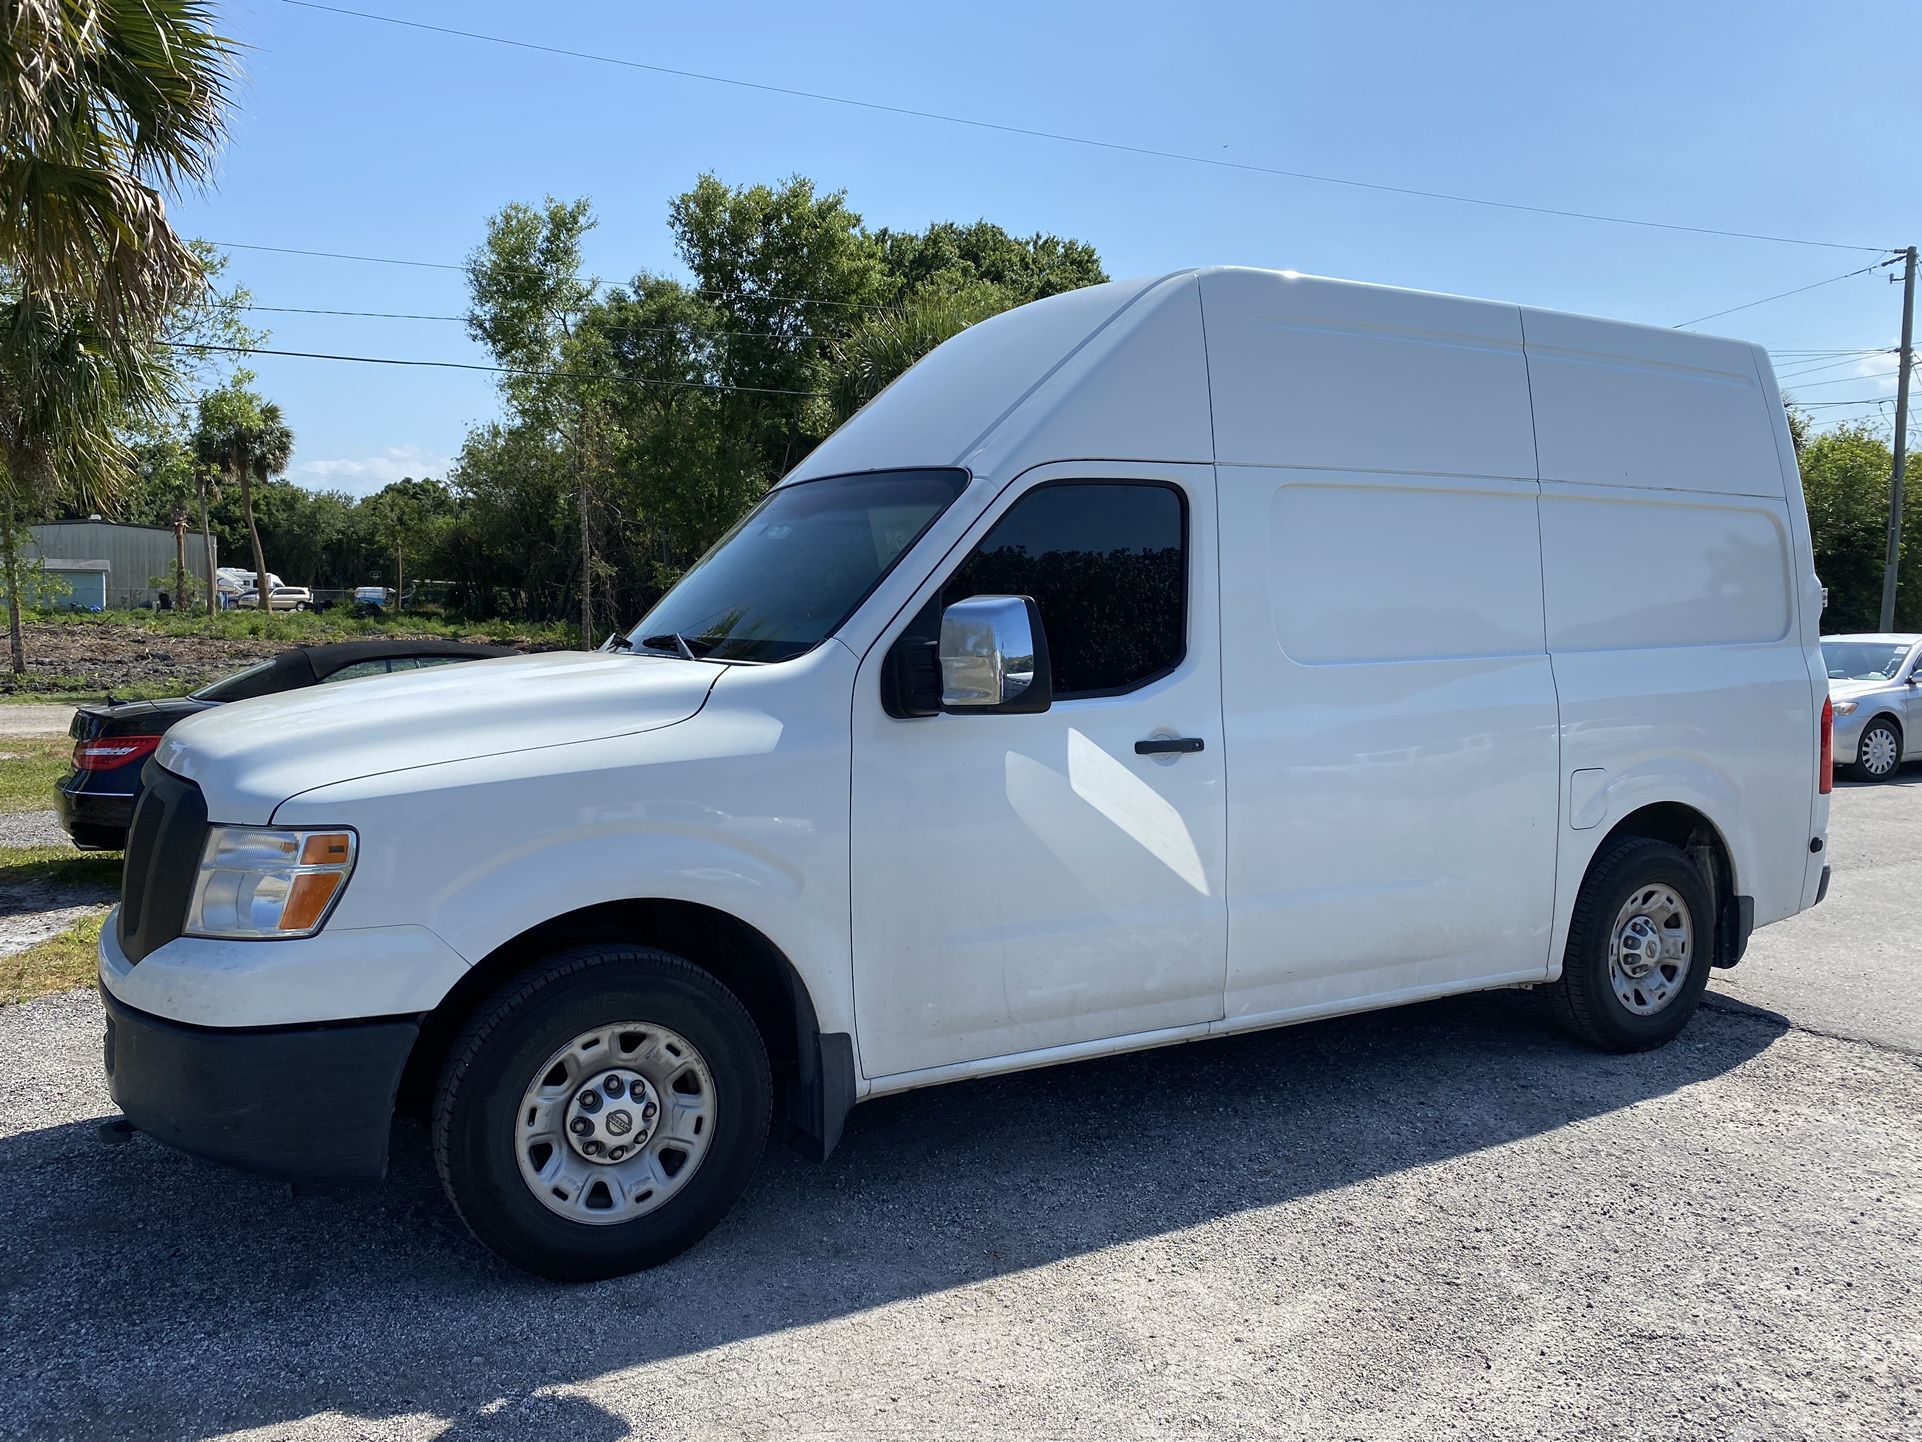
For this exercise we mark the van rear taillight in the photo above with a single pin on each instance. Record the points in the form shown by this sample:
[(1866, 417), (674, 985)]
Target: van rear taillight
[(108, 752), (1825, 772)]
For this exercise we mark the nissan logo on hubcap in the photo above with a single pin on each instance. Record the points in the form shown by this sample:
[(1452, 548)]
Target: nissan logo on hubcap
[(619, 1123)]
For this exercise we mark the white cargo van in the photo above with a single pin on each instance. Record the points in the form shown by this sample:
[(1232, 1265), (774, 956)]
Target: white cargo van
[(1167, 659)]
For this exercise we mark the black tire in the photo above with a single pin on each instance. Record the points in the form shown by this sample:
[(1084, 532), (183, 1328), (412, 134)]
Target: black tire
[(1584, 1000), (501, 1051), (1860, 769)]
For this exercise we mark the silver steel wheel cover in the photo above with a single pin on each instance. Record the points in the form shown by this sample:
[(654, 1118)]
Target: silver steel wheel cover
[(1650, 949), (592, 1096), (1878, 751)]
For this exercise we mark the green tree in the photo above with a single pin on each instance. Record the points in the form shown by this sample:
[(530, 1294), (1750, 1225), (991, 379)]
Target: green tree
[(407, 517), (528, 299), (789, 272), (947, 256), (1845, 482)]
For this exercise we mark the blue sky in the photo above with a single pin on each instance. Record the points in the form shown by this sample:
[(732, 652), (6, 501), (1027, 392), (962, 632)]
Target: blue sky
[(360, 137)]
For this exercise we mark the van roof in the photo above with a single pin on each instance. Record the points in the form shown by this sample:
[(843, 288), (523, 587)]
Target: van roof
[(1261, 367)]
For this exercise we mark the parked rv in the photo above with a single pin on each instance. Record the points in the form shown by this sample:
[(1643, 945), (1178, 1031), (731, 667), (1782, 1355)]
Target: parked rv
[(1162, 660)]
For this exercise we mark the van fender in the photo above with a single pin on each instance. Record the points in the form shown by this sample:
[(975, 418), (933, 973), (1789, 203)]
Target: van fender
[(485, 908), (1685, 781)]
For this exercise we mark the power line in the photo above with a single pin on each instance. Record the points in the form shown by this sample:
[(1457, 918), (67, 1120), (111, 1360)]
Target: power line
[(1750, 305), (1090, 142), (1848, 380), (1855, 358), (446, 265), (461, 319), (471, 366)]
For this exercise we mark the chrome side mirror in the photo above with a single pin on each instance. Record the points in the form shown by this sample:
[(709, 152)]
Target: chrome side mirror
[(994, 656)]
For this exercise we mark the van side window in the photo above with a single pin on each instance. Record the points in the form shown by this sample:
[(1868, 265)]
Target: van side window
[(1107, 562)]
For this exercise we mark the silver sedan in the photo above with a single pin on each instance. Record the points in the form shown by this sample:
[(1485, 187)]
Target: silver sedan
[(1875, 681)]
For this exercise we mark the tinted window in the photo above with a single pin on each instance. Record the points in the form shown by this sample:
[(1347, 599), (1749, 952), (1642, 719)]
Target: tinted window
[(1107, 564), (426, 661), (237, 687), (359, 668)]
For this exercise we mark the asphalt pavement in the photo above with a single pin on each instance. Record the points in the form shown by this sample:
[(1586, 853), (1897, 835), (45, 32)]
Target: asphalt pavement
[(1443, 1221)]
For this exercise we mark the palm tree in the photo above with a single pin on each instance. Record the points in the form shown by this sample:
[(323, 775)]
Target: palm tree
[(63, 391), (102, 103), (885, 343), (245, 439)]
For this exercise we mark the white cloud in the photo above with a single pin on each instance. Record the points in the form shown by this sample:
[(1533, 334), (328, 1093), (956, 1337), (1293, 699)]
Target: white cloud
[(364, 476)]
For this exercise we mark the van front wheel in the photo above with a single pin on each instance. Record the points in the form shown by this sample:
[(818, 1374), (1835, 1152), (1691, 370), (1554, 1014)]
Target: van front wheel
[(602, 1113), (1638, 950)]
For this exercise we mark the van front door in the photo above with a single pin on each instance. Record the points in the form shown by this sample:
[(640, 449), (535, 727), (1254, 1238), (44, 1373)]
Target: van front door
[(1025, 882)]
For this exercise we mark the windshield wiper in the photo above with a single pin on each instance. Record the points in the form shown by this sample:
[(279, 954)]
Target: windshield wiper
[(658, 643)]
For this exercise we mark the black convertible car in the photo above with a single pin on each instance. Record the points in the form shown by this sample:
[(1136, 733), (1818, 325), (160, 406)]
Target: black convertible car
[(112, 740)]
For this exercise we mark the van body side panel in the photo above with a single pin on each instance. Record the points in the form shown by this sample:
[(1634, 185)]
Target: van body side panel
[(1673, 564), (1388, 702), (1390, 716)]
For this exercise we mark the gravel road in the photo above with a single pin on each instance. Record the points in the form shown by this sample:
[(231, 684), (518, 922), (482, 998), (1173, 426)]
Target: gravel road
[(33, 828), (35, 718), (1440, 1222)]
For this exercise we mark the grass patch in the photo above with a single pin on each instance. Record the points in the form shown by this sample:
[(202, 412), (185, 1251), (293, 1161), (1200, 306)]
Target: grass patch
[(77, 690), (338, 624), (59, 866), (60, 963), (31, 765)]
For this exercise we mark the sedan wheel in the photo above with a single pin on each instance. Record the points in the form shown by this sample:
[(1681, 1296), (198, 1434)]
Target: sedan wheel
[(1880, 754)]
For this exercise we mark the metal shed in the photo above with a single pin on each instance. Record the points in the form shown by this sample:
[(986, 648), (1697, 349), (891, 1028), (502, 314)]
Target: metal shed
[(135, 557)]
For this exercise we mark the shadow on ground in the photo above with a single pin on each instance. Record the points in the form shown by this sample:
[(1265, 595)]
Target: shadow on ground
[(145, 1294)]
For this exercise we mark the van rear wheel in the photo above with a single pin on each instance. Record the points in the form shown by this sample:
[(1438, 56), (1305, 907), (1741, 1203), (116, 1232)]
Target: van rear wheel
[(602, 1113), (1638, 950)]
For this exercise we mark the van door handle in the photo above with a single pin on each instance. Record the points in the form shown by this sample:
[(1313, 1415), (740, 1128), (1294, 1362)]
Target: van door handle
[(1167, 745)]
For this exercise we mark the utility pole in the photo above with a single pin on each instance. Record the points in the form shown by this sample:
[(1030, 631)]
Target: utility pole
[(180, 558), (1892, 566)]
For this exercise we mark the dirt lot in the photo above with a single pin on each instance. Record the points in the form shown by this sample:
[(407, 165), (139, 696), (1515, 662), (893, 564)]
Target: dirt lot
[(1445, 1221), (102, 656)]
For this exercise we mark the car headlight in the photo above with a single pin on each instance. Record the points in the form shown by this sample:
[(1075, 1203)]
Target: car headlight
[(1845, 708), (258, 882)]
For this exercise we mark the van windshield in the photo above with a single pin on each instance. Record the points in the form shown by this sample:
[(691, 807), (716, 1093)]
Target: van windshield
[(786, 577), (1863, 660)]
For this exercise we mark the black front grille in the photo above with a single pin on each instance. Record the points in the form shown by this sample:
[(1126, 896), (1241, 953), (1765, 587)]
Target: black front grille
[(163, 858)]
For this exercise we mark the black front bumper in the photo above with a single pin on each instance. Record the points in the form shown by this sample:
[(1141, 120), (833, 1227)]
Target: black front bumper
[(97, 820), (308, 1103)]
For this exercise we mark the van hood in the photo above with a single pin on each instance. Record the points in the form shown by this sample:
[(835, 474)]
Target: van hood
[(249, 756)]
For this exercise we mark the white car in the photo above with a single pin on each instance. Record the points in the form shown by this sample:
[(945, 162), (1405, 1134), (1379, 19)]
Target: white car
[(282, 598), (1393, 645)]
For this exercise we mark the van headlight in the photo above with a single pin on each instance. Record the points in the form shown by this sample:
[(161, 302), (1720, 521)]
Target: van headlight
[(258, 882), (1845, 708)]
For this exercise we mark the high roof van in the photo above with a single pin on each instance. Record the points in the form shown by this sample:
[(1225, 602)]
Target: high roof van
[(1168, 659)]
